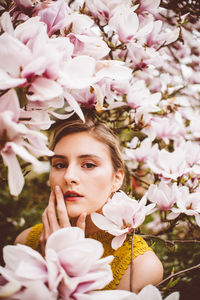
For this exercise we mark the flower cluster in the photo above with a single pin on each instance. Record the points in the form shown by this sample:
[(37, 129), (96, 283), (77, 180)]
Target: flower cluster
[(71, 269)]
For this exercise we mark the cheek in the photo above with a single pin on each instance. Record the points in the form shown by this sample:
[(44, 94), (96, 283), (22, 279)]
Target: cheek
[(103, 182)]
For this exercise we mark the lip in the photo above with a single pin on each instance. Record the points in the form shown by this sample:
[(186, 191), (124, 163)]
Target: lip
[(76, 196)]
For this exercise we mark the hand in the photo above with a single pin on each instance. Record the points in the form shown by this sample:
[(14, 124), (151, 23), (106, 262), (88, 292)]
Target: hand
[(55, 216)]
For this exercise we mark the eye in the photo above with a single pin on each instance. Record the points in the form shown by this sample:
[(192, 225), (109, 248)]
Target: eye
[(89, 165), (59, 165)]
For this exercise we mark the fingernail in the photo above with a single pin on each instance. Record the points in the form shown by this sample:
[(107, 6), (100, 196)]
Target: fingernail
[(57, 188)]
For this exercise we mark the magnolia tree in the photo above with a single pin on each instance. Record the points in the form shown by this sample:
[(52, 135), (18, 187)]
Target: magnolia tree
[(133, 64)]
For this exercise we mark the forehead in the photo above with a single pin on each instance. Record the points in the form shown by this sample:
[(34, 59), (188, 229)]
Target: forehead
[(81, 143)]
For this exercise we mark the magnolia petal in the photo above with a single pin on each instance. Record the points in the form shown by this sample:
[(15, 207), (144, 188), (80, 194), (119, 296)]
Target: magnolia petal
[(24, 154), (118, 241), (102, 222), (9, 101), (173, 296), (64, 237), (102, 262), (72, 102), (172, 215), (37, 290), (22, 252), (44, 89), (61, 116), (14, 54), (95, 280), (172, 36), (78, 72), (197, 219), (6, 23), (89, 45), (9, 289), (149, 292), (78, 258), (7, 82), (106, 295), (15, 176), (114, 70), (37, 147)]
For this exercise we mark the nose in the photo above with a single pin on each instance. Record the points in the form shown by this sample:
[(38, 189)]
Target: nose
[(71, 175)]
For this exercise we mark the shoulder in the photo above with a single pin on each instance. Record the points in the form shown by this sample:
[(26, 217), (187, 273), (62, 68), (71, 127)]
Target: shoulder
[(22, 237), (147, 269)]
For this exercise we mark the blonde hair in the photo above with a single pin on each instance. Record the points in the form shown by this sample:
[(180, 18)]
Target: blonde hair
[(98, 130)]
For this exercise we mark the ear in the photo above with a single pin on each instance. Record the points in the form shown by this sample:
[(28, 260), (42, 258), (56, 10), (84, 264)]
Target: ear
[(118, 180)]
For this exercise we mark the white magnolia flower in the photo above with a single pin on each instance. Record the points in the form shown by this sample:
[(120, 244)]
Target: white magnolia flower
[(122, 215)]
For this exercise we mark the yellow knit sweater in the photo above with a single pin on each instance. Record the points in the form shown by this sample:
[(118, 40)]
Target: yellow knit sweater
[(122, 256)]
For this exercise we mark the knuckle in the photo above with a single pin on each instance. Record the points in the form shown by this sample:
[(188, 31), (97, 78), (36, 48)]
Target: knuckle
[(60, 211), (43, 216)]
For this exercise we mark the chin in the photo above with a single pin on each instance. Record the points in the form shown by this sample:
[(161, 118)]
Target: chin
[(74, 212)]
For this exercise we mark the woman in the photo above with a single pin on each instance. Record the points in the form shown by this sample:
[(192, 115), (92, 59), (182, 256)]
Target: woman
[(86, 169)]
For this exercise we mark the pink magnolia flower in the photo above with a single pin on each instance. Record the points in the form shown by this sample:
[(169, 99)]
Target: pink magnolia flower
[(140, 58), (187, 203), (102, 9), (6, 23), (140, 98), (125, 22), (32, 61), (72, 265), (164, 128), (83, 71), (13, 135), (148, 6), (158, 37), (169, 164), (142, 152), (24, 267), (86, 96), (122, 215), (80, 260), (54, 14), (92, 46), (79, 24), (192, 153), (164, 195)]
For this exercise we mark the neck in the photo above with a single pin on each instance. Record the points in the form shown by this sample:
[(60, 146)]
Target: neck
[(90, 228)]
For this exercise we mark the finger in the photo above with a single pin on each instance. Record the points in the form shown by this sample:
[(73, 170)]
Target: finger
[(42, 243), (51, 214), (45, 232), (61, 208), (81, 221), (46, 229)]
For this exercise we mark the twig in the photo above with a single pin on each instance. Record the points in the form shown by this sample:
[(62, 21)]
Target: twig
[(148, 236), (131, 267), (178, 273)]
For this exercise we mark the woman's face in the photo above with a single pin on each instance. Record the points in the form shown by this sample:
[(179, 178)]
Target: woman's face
[(83, 169)]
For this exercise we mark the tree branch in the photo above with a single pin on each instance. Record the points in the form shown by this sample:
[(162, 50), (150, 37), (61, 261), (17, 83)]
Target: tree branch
[(178, 273)]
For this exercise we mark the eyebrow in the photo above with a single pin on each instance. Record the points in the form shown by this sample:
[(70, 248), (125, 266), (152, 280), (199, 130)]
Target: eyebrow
[(80, 156)]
